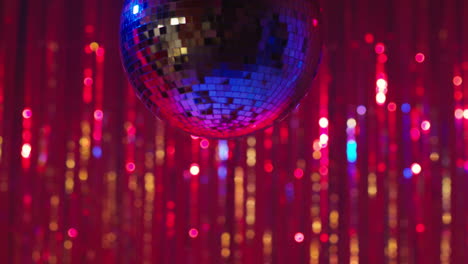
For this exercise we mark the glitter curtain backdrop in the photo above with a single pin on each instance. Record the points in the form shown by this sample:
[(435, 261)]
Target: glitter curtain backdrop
[(370, 169)]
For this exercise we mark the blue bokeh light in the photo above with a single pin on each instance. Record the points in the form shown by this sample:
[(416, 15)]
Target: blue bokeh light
[(407, 173), (405, 108), (351, 151), (97, 152)]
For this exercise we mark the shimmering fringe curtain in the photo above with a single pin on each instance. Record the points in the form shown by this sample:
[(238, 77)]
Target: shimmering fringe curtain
[(371, 168)]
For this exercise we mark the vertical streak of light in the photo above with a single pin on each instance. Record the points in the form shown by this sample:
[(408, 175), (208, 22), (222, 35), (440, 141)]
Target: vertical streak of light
[(222, 157), (2, 88), (251, 189), (194, 182), (70, 165), (85, 150), (351, 151), (393, 176), (26, 149), (109, 213), (148, 215), (267, 245), (159, 206), (225, 245), (267, 237), (445, 249), (320, 194), (316, 221), (98, 102), (239, 211)]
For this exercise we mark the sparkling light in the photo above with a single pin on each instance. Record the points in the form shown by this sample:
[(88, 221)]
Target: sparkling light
[(382, 85), (323, 139), (425, 125), (136, 9), (416, 168), (323, 122), (380, 98), (26, 151), (194, 169), (299, 237), (174, 21), (465, 114)]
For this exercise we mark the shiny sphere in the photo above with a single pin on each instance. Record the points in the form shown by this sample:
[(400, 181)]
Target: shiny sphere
[(220, 68)]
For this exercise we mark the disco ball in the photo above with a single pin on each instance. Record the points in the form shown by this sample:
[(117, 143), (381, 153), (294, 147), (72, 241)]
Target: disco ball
[(220, 68)]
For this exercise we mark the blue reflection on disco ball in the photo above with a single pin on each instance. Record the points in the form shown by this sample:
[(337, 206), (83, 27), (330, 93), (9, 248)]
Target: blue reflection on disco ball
[(220, 68)]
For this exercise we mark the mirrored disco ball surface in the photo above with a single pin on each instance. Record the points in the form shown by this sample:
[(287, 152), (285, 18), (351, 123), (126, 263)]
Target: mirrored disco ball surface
[(220, 68)]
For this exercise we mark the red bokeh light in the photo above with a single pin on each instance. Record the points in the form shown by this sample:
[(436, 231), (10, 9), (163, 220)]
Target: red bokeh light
[(315, 22), (100, 52), (88, 81), (298, 173), (369, 38), (419, 57), (415, 134), (324, 238), (268, 166), (72, 232), (379, 48), (420, 228), (382, 58), (204, 144)]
